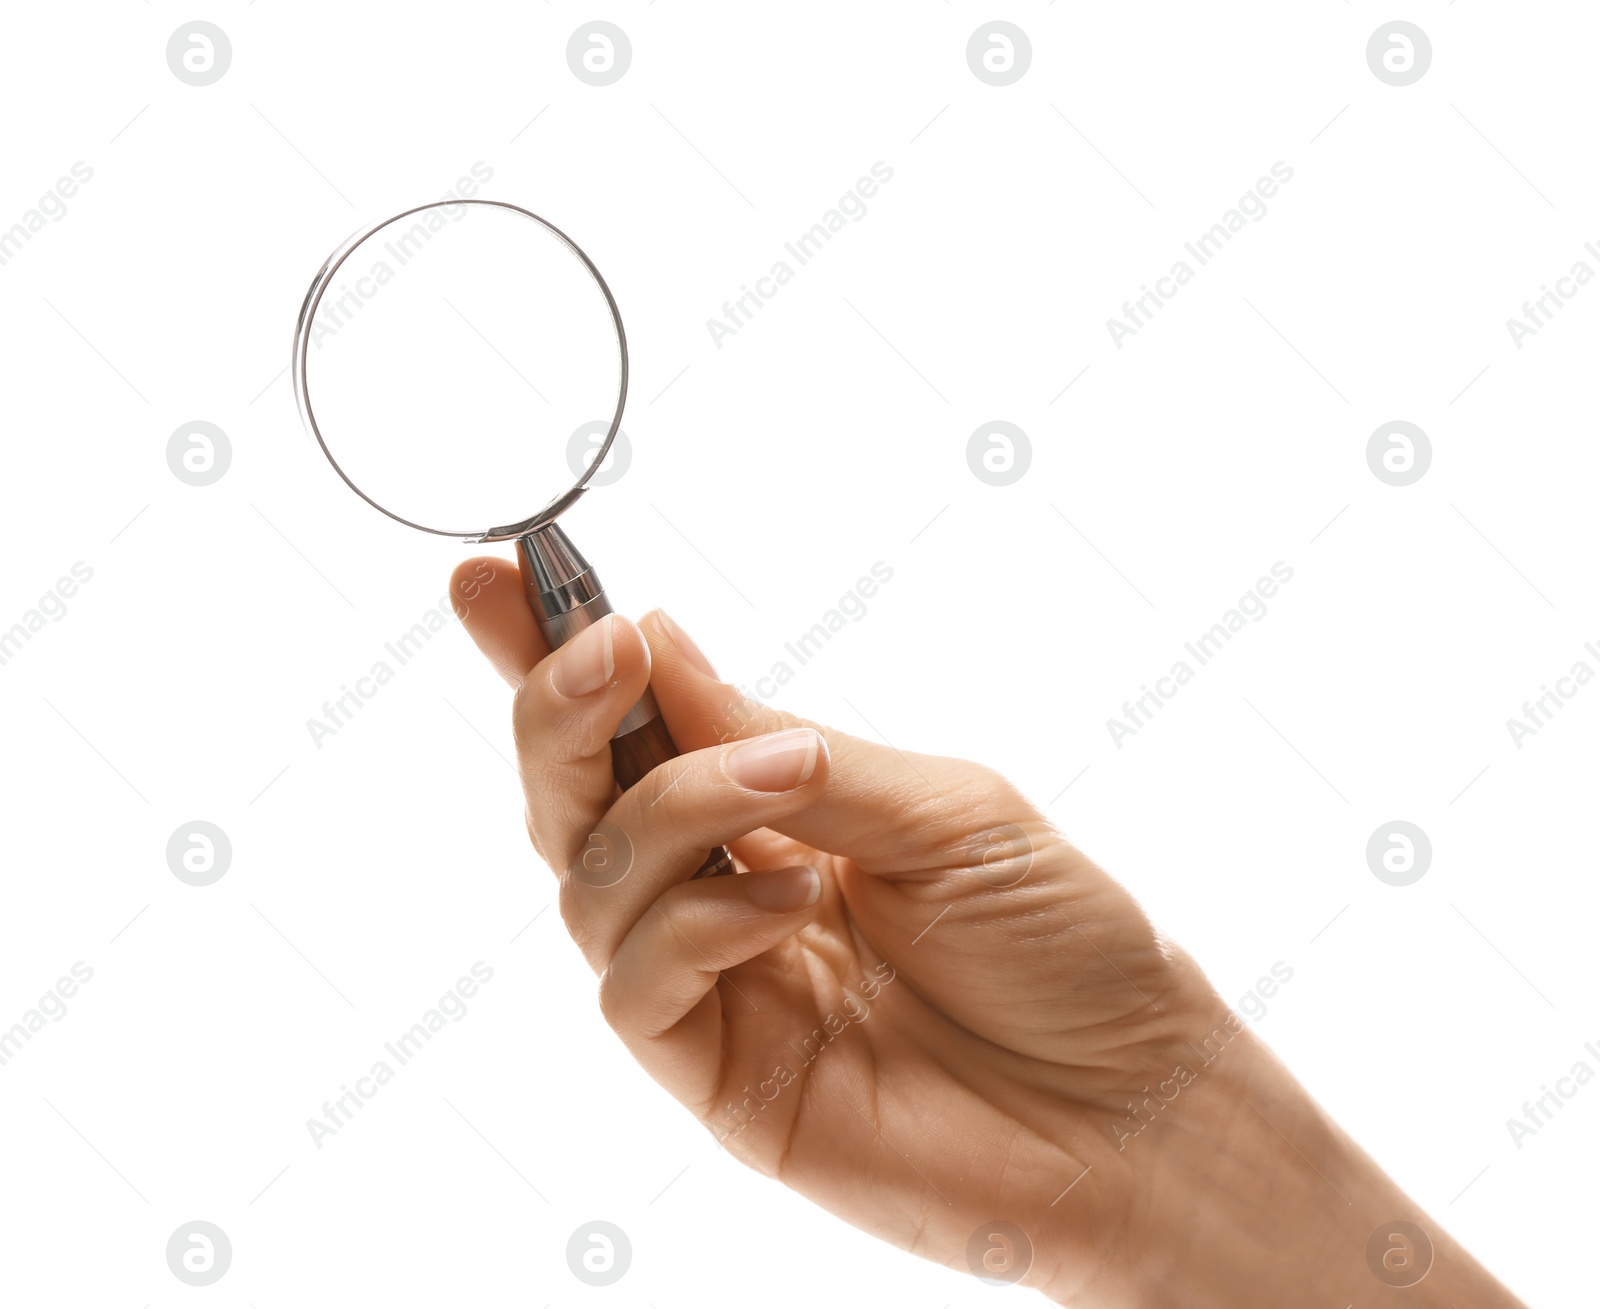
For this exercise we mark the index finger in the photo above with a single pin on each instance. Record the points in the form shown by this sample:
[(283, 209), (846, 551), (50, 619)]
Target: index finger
[(487, 594)]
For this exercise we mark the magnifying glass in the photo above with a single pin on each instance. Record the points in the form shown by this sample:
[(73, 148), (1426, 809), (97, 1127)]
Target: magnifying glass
[(461, 364)]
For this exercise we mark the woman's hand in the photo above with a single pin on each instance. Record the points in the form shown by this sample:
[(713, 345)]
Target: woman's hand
[(918, 1005)]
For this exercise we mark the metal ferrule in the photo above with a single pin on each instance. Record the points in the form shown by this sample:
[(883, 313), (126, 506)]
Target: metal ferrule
[(566, 596)]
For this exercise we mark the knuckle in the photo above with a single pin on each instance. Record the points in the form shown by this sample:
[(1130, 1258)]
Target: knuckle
[(523, 714), (531, 824), (977, 787), (602, 862), (612, 1007), (567, 903), (575, 914), (567, 734), (522, 699), (548, 818), (545, 728)]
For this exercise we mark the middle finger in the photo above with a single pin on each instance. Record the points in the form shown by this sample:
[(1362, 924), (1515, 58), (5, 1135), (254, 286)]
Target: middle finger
[(657, 833)]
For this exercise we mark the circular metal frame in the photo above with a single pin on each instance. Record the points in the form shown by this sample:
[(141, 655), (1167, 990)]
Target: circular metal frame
[(302, 393)]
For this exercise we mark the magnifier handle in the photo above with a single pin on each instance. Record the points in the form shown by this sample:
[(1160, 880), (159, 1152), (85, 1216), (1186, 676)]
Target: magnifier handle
[(635, 753), (565, 595)]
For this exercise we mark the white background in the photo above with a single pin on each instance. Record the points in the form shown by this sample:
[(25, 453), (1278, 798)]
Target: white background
[(768, 475)]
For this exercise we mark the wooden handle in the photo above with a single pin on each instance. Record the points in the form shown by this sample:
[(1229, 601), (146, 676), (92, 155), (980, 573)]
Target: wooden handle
[(635, 753)]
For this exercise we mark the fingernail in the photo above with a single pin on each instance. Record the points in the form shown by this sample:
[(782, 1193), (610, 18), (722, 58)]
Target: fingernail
[(778, 762), (586, 662), (691, 651), (784, 890)]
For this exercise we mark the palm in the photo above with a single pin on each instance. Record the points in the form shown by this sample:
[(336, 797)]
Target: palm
[(906, 1059)]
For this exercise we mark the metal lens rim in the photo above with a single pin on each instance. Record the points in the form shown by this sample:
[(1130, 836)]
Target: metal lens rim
[(302, 344)]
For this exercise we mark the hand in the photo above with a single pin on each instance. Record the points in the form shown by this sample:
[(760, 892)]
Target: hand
[(917, 1004)]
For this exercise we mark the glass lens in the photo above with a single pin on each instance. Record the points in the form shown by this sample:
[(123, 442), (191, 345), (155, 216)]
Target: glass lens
[(454, 356)]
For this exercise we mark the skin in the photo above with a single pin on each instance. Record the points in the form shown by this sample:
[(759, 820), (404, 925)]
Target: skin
[(971, 1023)]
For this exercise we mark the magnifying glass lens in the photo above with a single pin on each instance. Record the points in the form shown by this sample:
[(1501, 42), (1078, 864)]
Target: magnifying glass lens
[(454, 363)]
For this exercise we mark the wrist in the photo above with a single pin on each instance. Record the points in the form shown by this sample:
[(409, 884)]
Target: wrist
[(1242, 1190)]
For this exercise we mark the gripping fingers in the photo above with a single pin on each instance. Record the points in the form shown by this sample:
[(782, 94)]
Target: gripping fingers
[(657, 832), (673, 956), (563, 716)]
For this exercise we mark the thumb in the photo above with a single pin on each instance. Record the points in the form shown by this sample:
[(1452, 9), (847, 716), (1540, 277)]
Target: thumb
[(886, 809)]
